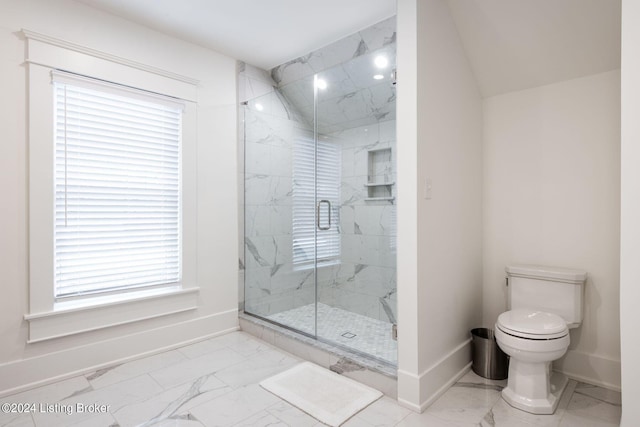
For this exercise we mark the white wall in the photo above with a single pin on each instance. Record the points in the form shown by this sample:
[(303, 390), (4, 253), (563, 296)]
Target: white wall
[(552, 197), (630, 213), (443, 298), (21, 363)]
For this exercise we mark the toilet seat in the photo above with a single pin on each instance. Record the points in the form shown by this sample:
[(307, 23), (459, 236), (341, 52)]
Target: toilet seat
[(532, 324)]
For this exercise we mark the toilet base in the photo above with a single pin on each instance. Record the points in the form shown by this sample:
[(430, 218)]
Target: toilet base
[(540, 405)]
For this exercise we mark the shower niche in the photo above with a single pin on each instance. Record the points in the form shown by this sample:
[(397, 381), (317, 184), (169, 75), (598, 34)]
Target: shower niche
[(380, 175)]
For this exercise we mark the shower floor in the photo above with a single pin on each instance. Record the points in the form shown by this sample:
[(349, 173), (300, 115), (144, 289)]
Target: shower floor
[(352, 330)]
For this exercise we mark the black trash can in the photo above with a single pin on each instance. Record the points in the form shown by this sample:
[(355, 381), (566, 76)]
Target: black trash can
[(489, 361)]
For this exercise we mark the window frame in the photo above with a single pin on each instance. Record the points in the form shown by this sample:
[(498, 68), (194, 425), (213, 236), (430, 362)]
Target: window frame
[(47, 317)]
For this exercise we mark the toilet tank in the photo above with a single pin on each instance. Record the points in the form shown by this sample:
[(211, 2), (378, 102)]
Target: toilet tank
[(551, 289)]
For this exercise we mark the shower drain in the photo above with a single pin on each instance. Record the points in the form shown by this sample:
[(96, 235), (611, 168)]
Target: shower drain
[(348, 335)]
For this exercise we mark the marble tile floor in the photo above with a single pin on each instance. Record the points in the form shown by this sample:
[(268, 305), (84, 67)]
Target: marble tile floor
[(351, 330), (215, 383)]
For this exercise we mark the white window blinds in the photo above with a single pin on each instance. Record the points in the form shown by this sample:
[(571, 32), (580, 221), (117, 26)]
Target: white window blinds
[(305, 201), (117, 187)]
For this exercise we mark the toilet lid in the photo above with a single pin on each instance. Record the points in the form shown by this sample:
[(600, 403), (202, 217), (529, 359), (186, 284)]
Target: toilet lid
[(533, 322)]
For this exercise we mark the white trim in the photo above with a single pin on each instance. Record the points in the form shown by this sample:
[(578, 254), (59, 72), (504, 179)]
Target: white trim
[(46, 52), (32, 35), (591, 369), (418, 392), (24, 374), (70, 321), (60, 76), (444, 387)]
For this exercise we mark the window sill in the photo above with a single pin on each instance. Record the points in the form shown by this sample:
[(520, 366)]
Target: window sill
[(78, 316)]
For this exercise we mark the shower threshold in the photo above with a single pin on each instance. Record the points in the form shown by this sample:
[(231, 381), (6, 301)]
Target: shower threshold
[(367, 336)]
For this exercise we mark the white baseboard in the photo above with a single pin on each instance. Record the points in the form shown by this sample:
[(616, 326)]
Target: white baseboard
[(591, 369), (20, 375), (418, 392)]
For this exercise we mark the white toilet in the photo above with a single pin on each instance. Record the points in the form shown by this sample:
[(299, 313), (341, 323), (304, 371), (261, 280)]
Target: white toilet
[(544, 303)]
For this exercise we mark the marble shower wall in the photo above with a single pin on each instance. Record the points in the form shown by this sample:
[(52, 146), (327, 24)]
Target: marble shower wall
[(271, 127), (361, 118), (365, 280)]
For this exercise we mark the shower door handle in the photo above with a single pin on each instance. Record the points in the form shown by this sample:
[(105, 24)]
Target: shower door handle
[(320, 227)]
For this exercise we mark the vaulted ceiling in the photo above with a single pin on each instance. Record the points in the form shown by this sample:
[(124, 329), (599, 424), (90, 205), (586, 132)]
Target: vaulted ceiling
[(510, 44)]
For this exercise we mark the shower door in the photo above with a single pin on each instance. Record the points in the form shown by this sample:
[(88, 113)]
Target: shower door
[(356, 266), (320, 205)]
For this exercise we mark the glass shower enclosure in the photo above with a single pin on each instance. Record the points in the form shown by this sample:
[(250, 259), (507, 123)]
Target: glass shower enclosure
[(320, 205)]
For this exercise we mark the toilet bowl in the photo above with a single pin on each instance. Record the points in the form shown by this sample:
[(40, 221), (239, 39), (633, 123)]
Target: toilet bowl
[(544, 303), (533, 339)]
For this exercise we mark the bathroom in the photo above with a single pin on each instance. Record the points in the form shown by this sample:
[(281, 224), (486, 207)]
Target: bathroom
[(514, 174)]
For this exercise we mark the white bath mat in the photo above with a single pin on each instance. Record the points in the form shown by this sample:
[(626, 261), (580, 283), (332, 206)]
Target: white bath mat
[(325, 395)]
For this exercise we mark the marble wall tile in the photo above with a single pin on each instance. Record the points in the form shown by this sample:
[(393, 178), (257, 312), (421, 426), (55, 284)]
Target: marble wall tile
[(381, 34), (257, 283), (257, 158), (347, 220), (387, 131), (257, 220), (260, 252), (267, 129), (361, 70), (280, 191), (352, 191), (364, 304), (378, 36), (256, 73), (292, 70), (254, 88), (288, 278), (280, 161), (299, 93), (338, 83), (336, 53), (256, 189), (281, 219), (336, 274)]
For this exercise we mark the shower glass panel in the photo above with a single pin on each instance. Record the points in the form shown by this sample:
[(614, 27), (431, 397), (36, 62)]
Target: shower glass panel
[(279, 200), (355, 116), (320, 205)]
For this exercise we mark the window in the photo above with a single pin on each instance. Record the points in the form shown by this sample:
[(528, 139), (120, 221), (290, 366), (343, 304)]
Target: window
[(305, 246), (112, 190), (117, 187)]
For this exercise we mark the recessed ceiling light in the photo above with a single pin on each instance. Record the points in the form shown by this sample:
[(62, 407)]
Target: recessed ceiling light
[(321, 84), (259, 106), (381, 61), (378, 77)]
